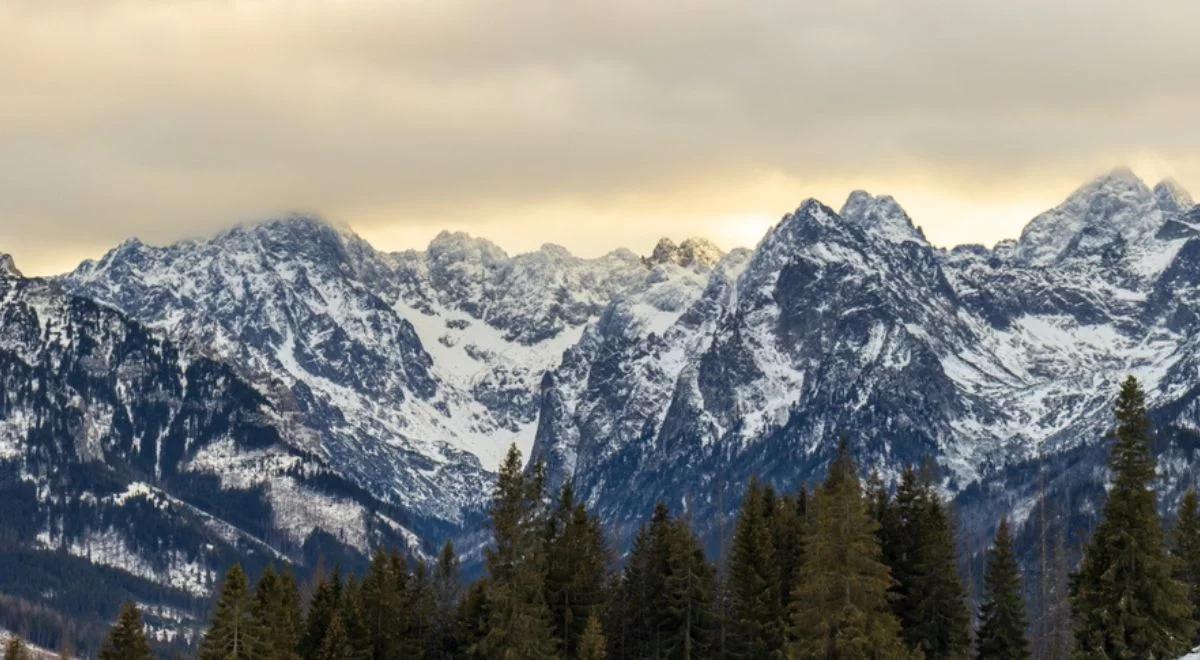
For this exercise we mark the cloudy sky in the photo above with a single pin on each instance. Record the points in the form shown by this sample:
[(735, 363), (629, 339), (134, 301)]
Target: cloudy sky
[(593, 125)]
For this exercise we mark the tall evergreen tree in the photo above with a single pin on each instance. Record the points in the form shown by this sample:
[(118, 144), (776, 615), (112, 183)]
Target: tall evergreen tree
[(384, 607), (664, 603), (335, 643), (591, 642), (1185, 548), (353, 614), (518, 618), (577, 569), (14, 649), (1125, 601), (276, 612), (473, 619), (1053, 638), (448, 594), (787, 536), (758, 618), (687, 623), (324, 607), (636, 605), (1002, 615), (233, 634), (920, 549), (127, 638), (840, 604), (422, 608)]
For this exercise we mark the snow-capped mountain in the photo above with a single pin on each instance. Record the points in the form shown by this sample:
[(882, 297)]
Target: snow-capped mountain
[(136, 469), (850, 323), (416, 370), (394, 382)]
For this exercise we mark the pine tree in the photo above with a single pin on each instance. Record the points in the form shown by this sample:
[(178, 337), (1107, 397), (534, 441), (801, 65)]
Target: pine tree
[(919, 547), (1185, 548), (233, 634), (384, 607), (422, 600), (663, 607), (1054, 639), (840, 604), (591, 642), (14, 649), (787, 535), (634, 608), (323, 609), (944, 629), (758, 616), (577, 569), (276, 612), (1002, 615), (1124, 600), (686, 623), (127, 638), (448, 593), (473, 619), (518, 618), (354, 618), (336, 643)]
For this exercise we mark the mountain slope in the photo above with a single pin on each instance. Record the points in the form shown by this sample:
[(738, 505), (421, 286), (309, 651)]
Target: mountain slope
[(415, 369), (984, 361), (138, 469)]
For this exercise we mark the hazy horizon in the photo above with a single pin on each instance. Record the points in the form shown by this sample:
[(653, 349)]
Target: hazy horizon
[(590, 125), (642, 249)]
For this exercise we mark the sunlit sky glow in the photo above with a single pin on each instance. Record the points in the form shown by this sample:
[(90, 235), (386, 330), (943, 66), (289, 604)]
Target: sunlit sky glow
[(594, 125)]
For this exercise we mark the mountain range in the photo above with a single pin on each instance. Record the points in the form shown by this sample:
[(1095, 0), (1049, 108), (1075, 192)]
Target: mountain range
[(284, 392)]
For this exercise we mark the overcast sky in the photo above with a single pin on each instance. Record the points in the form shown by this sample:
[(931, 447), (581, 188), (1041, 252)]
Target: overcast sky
[(592, 125)]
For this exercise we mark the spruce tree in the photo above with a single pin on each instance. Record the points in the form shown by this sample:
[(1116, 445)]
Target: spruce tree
[(943, 628), (354, 618), (127, 638), (384, 608), (233, 634), (473, 619), (422, 609), (787, 535), (1002, 616), (840, 605), (919, 547), (276, 612), (335, 643), (1124, 600), (518, 618), (758, 616), (448, 594), (324, 607), (635, 606), (15, 649), (663, 607), (686, 623), (576, 570), (591, 642), (1185, 548)]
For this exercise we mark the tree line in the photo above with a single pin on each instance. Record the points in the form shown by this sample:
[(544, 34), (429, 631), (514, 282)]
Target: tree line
[(850, 570)]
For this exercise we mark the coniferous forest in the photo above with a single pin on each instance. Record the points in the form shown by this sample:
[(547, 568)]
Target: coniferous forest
[(850, 569)]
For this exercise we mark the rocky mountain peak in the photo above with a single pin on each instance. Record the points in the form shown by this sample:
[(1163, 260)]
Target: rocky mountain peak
[(1112, 207), (692, 252), (8, 268), (881, 216), (1172, 198)]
